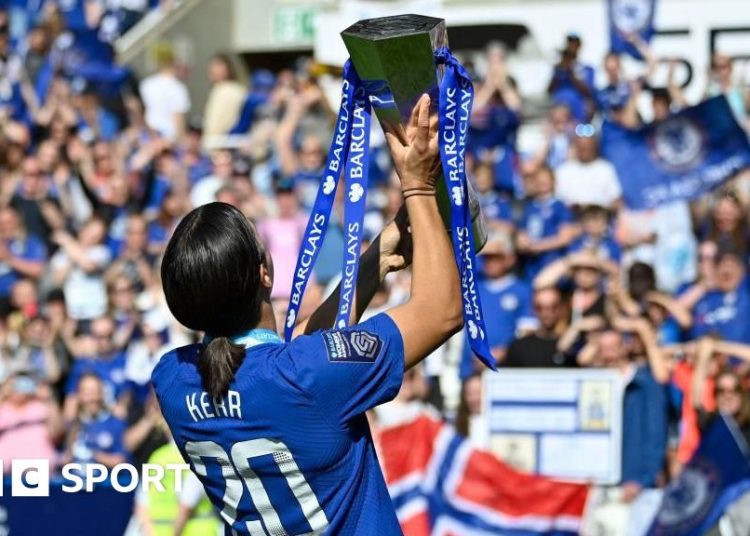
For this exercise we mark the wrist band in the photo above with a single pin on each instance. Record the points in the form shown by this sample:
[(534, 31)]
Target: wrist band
[(417, 191), (413, 193)]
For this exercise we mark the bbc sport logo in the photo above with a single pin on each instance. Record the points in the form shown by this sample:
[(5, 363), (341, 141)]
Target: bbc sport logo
[(31, 477)]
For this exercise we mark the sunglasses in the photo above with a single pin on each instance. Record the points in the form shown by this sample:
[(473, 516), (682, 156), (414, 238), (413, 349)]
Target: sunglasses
[(101, 336), (122, 290)]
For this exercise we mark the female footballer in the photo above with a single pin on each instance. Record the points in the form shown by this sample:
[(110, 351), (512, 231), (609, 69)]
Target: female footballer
[(277, 432)]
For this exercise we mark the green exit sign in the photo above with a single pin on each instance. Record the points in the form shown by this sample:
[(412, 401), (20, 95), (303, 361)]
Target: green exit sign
[(294, 24)]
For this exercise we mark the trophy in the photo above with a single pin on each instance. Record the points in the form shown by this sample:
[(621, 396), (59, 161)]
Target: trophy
[(394, 58)]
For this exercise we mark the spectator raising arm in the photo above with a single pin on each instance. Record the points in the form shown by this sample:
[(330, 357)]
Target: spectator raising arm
[(571, 335), (498, 81), (660, 365), (297, 106), (552, 274), (673, 306), (674, 89), (735, 349), (76, 252), (704, 353)]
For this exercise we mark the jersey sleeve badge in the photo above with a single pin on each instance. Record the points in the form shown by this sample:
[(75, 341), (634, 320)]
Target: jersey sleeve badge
[(352, 346)]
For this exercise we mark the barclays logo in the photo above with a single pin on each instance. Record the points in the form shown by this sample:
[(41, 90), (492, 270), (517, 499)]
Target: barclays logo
[(329, 185), (290, 318), (356, 192), (457, 195), (475, 332)]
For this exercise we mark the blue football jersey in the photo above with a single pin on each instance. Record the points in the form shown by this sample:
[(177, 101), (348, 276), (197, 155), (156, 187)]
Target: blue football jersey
[(287, 450)]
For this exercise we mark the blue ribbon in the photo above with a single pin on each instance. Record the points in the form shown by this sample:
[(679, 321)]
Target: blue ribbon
[(317, 225), (357, 166), (456, 97), (351, 144)]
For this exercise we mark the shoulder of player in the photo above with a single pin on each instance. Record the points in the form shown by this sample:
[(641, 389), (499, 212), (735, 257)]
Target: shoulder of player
[(165, 370), (361, 343)]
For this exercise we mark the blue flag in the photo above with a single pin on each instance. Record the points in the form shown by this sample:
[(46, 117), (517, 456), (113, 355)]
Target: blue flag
[(630, 17), (716, 476), (682, 157)]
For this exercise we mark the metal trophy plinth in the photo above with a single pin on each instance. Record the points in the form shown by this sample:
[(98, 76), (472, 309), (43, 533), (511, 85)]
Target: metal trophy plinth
[(394, 58)]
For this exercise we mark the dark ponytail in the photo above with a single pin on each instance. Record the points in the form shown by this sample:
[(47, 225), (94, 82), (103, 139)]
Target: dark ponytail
[(211, 278), (218, 364)]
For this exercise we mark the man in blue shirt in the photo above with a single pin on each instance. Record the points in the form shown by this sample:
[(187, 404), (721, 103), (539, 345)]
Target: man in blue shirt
[(597, 234), (572, 82), (99, 436), (496, 208), (615, 95), (108, 365), (507, 301), (21, 255), (644, 417), (546, 226), (725, 309)]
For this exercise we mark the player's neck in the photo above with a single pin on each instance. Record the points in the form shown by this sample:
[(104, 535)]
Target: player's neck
[(267, 317)]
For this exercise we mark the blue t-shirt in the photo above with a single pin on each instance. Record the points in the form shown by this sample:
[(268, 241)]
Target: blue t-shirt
[(30, 249), (91, 43), (11, 99), (158, 234), (606, 248), (110, 370), (103, 433), (291, 434), (613, 96), (507, 307), (106, 124), (723, 313), (495, 129), (567, 93), (543, 219), (496, 207)]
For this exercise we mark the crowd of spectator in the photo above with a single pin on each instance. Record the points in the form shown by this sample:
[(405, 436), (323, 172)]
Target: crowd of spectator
[(97, 168)]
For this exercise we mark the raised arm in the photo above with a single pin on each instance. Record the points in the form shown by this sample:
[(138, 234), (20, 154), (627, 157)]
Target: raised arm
[(703, 356), (551, 274), (388, 253), (675, 91), (433, 312), (677, 310)]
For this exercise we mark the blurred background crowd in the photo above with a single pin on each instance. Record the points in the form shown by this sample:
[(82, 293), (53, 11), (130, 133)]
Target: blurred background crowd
[(97, 166)]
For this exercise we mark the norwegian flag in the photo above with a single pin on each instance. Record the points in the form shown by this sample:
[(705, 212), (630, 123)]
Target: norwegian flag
[(442, 486)]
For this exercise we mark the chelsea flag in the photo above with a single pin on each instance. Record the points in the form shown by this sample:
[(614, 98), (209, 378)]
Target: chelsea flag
[(716, 476), (682, 157), (630, 18)]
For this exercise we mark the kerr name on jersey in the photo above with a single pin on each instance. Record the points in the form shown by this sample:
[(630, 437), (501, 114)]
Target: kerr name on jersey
[(201, 405)]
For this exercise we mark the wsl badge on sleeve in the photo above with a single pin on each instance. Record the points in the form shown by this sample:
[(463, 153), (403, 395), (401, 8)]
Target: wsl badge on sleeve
[(352, 346)]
